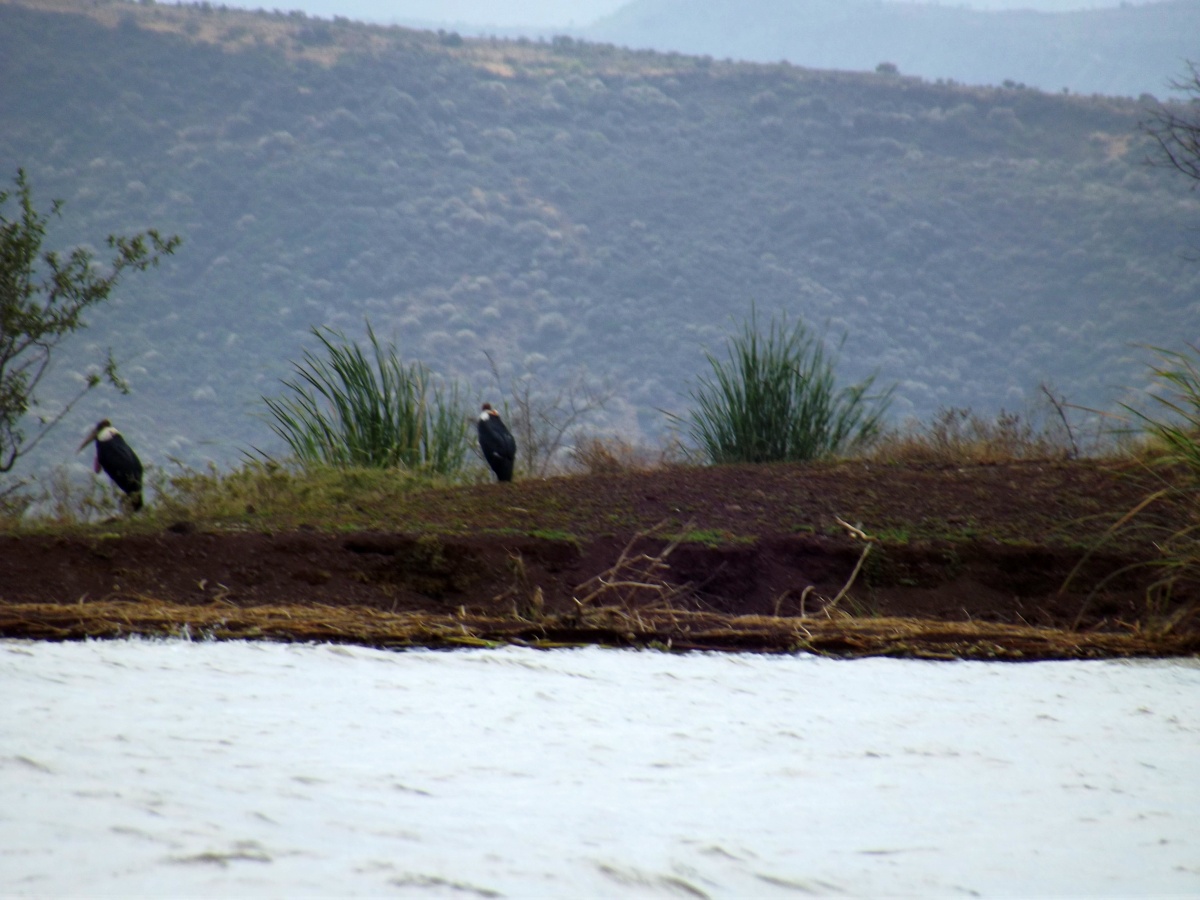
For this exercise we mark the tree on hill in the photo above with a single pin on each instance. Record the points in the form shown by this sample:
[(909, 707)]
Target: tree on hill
[(43, 297)]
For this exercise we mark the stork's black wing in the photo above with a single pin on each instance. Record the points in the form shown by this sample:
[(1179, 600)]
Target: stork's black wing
[(120, 463), (498, 446)]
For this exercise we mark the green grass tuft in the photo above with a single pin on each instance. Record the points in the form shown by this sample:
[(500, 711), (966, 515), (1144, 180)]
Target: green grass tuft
[(349, 411), (774, 400), (1172, 451)]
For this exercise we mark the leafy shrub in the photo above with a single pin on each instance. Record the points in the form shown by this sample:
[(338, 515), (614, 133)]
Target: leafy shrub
[(43, 298), (775, 400), (349, 411)]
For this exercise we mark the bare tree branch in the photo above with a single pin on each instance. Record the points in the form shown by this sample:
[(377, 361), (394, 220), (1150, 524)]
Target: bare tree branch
[(1175, 126), (543, 420)]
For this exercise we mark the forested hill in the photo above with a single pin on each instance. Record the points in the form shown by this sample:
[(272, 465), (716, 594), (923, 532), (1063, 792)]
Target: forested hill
[(565, 206), (1125, 49)]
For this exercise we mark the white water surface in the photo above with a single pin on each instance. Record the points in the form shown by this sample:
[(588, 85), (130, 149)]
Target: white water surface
[(180, 769)]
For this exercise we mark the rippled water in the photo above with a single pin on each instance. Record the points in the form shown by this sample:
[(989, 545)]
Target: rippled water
[(204, 769)]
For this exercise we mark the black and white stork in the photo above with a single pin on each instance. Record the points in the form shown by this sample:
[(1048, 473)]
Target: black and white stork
[(117, 459), (497, 444)]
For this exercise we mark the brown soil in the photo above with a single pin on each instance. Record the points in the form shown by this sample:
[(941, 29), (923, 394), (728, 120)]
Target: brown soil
[(963, 561)]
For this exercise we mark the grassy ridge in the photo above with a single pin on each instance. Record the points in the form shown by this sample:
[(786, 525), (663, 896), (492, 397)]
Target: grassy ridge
[(1052, 501)]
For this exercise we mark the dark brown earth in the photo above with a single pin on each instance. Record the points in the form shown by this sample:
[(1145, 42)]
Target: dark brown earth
[(740, 557)]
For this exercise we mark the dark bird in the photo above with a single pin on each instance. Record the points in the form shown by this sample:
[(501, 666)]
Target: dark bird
[(497, 444), (117, 459)]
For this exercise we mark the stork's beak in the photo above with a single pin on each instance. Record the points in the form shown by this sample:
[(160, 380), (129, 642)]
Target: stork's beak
[(87, 440)]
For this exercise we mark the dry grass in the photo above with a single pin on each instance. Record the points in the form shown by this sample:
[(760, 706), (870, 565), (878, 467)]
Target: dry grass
[(611, 455), (668, 629), (959, 436)]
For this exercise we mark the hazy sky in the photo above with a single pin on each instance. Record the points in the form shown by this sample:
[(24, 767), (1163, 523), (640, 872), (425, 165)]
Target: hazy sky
[(548, 13)]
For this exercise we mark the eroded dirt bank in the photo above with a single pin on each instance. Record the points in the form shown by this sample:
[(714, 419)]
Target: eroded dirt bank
[(749, 573)]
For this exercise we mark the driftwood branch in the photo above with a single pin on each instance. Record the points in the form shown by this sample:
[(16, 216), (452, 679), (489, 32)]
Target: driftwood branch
[(632, 577)]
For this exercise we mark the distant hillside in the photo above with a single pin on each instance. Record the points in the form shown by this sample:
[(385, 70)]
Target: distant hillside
[(1125, 50), (569, 205)]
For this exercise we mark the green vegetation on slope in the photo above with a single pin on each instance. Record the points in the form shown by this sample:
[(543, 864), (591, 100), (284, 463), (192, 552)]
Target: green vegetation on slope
[(568, 205)]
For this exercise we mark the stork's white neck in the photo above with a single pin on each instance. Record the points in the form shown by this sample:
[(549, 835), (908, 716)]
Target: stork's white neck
[(107, 433)]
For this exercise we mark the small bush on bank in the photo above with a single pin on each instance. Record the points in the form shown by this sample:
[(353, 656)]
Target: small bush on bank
[(58, 498), (610, 455)]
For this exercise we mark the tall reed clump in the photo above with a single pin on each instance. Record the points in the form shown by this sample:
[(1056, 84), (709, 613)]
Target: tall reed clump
[(349, 410), (1176, 428), (1168, 518), (775, 399), (1173, 424)]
